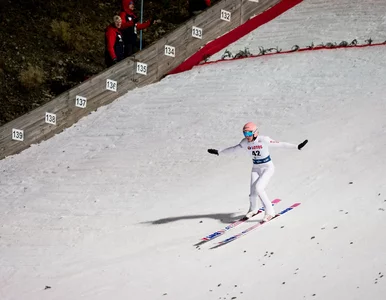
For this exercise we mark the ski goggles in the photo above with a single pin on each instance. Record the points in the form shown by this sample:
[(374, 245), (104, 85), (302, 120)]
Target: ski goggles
[(248, 133)]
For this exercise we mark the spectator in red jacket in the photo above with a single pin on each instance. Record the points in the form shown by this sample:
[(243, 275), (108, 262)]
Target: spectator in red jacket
[(130, 25), (197, 6), (115, 48)]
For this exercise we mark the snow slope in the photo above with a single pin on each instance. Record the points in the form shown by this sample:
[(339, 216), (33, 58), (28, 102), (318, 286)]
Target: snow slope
[(111, 208), (317, 22)]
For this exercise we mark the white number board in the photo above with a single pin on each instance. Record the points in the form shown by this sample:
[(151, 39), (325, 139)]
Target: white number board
[(50, 118), (141, 68), (170, 51), (80, 101), (225, 15), (111, 85), (197, 32), (17, 134)]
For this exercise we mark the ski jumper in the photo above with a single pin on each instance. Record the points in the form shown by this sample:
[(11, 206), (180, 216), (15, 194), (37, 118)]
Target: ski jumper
[(262, 168)]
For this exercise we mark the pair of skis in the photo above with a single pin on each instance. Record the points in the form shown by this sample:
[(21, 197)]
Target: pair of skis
[(220, 232)]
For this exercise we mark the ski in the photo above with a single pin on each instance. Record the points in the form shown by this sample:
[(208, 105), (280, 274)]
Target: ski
[(230, 226), (249, 229)]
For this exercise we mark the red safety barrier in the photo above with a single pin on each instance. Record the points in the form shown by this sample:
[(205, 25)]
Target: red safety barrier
[(234, 35)]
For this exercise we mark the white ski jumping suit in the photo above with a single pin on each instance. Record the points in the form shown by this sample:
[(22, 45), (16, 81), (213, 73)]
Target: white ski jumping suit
[(262, 169)]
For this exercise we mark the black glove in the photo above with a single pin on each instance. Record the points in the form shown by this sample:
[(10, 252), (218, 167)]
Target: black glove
[(213, 151), (302, 144), (115, 61)]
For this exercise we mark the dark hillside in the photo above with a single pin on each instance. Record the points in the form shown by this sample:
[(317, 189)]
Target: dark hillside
[(49, 46)]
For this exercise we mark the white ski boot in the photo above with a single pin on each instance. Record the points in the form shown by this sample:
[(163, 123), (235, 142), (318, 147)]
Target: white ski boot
[(251, 213), (267, 218)]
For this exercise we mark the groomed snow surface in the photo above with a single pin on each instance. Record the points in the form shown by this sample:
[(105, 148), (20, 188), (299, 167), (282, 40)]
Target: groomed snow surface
[(111, 207), (317, 22)]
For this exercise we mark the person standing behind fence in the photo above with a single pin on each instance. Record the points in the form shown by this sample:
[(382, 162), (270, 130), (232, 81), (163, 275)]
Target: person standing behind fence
[(114, 45), (130, 25)]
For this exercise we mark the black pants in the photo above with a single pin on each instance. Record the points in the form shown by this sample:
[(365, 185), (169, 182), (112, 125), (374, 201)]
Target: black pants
[(130, 49), (108, 61), (130, 40)]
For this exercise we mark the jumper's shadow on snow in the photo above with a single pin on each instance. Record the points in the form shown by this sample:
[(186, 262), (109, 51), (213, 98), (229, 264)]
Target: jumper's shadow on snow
[(225, 218)]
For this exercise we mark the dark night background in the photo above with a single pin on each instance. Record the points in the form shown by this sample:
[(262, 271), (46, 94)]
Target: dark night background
[(48, 46)]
